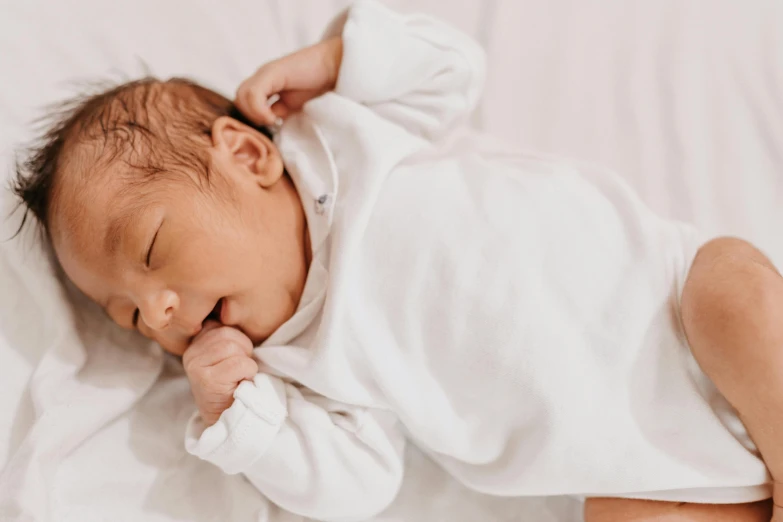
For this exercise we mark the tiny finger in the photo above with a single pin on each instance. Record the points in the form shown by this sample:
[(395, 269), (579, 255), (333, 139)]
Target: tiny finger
[(236, 369), (261, 110), (253, 105), (210, 354), (224, 334), (281, 112)]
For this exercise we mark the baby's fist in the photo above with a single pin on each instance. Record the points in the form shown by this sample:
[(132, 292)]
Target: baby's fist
[(296, 79), (218, 359)]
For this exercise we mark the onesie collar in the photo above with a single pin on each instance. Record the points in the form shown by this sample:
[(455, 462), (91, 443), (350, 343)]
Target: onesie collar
[(312, 169)]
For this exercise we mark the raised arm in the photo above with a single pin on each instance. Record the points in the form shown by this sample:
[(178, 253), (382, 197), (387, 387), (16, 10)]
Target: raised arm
[(414, 70)]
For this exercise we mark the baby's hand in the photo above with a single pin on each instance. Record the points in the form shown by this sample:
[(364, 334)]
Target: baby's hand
[(296, 78), (218, 359)]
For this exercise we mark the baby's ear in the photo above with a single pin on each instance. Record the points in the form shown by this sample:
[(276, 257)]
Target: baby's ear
[(246, 149)]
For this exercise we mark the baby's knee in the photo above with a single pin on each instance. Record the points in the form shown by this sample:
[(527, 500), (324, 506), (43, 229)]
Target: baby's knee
[(730, 288)]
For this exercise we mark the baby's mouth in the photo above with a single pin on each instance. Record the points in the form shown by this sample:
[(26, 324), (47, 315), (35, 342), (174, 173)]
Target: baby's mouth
[(214, 315)]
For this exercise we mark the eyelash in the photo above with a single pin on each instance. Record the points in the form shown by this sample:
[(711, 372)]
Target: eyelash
[(152, 245), (135, 319)]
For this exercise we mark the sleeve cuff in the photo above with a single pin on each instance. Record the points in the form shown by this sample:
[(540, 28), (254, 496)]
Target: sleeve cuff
[(245, 431), (372, 36)]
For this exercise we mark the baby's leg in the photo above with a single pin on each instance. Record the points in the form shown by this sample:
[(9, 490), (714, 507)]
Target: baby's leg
[(732, 310), (625, 510)]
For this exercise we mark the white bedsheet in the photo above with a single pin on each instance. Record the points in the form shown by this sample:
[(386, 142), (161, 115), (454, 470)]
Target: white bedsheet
[(685, 98)]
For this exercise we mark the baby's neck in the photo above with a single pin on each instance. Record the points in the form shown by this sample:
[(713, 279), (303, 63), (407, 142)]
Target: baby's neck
[(308, 248), (300, 221)]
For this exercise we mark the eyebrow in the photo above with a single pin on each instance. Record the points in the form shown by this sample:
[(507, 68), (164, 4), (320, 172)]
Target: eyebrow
[(118, 227)]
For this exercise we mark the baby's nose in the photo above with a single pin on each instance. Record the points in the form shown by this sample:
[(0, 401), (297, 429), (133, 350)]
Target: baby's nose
[(158, 309)]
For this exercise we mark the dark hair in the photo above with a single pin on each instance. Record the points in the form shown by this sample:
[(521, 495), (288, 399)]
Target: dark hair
[(164, 119)]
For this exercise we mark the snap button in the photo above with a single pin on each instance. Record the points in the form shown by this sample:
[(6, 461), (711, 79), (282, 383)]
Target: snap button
[(321, 204)]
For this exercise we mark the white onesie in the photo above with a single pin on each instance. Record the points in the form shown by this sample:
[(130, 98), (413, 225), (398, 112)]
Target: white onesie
[(516, 317)]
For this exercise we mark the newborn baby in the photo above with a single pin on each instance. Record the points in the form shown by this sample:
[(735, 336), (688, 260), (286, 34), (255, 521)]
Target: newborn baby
[(373, 275)]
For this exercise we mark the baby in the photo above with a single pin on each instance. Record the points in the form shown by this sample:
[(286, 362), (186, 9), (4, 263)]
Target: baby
[(372, 275)]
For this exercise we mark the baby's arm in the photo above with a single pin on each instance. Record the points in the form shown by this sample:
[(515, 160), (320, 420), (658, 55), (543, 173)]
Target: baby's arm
[(310, 455), (414, 70)]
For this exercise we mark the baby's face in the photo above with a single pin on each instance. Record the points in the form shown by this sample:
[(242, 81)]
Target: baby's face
[(163, 256)]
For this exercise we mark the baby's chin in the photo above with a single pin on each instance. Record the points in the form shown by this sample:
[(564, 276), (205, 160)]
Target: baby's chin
[(258, 333), (256, 338)]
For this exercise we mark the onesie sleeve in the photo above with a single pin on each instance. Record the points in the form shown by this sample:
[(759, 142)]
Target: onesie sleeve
[(413, 70), (312, 456)]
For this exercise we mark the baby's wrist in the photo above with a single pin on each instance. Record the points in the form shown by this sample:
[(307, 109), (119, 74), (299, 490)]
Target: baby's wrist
[(210, 417)]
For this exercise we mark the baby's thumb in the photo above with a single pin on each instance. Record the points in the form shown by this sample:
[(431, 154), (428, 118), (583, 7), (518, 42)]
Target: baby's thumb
[(209, 325)]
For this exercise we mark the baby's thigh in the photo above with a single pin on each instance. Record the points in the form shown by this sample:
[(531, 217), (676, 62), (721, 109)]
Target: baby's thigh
[(628, 510)]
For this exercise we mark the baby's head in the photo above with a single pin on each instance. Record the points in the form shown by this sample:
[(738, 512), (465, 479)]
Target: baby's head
[(165, 208)]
